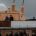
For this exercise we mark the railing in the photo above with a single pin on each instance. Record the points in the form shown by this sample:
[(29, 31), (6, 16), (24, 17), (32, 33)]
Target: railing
[(5, 23)]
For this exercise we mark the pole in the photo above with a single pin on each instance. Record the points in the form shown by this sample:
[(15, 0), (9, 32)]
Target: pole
[(23, 1), (13, 1)]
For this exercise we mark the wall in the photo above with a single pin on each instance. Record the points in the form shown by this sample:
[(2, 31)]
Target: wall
[(3, 15)]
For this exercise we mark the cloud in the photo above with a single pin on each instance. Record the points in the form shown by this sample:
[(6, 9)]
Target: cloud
[(3, 7)]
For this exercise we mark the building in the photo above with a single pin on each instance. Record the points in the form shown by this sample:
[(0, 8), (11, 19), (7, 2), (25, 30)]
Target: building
[(17, 15), (11, 28)]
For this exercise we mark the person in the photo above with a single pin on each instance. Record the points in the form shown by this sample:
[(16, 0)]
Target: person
[(0, 34), (11, 34), (16, 34), (11, 18), (25, 33), (6, 34), (21, 34), (33, 18), (7, 18)]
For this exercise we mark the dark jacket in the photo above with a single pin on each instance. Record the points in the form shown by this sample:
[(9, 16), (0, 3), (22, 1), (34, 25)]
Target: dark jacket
[(11, 18), (16, 34), (21, 34), (7, 18)]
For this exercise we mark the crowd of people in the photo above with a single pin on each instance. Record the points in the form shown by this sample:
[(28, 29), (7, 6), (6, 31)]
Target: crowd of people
[(9, 18), (20, 34), (17, 34)]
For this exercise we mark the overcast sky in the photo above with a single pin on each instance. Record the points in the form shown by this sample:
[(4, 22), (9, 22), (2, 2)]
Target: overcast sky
[(30, 6)]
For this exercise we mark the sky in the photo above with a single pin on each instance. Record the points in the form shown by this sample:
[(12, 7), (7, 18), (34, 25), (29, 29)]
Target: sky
[(8, 3), (29, 5)]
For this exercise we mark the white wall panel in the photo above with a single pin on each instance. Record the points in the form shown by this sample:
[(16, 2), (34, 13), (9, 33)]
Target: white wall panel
[(23, 24)]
